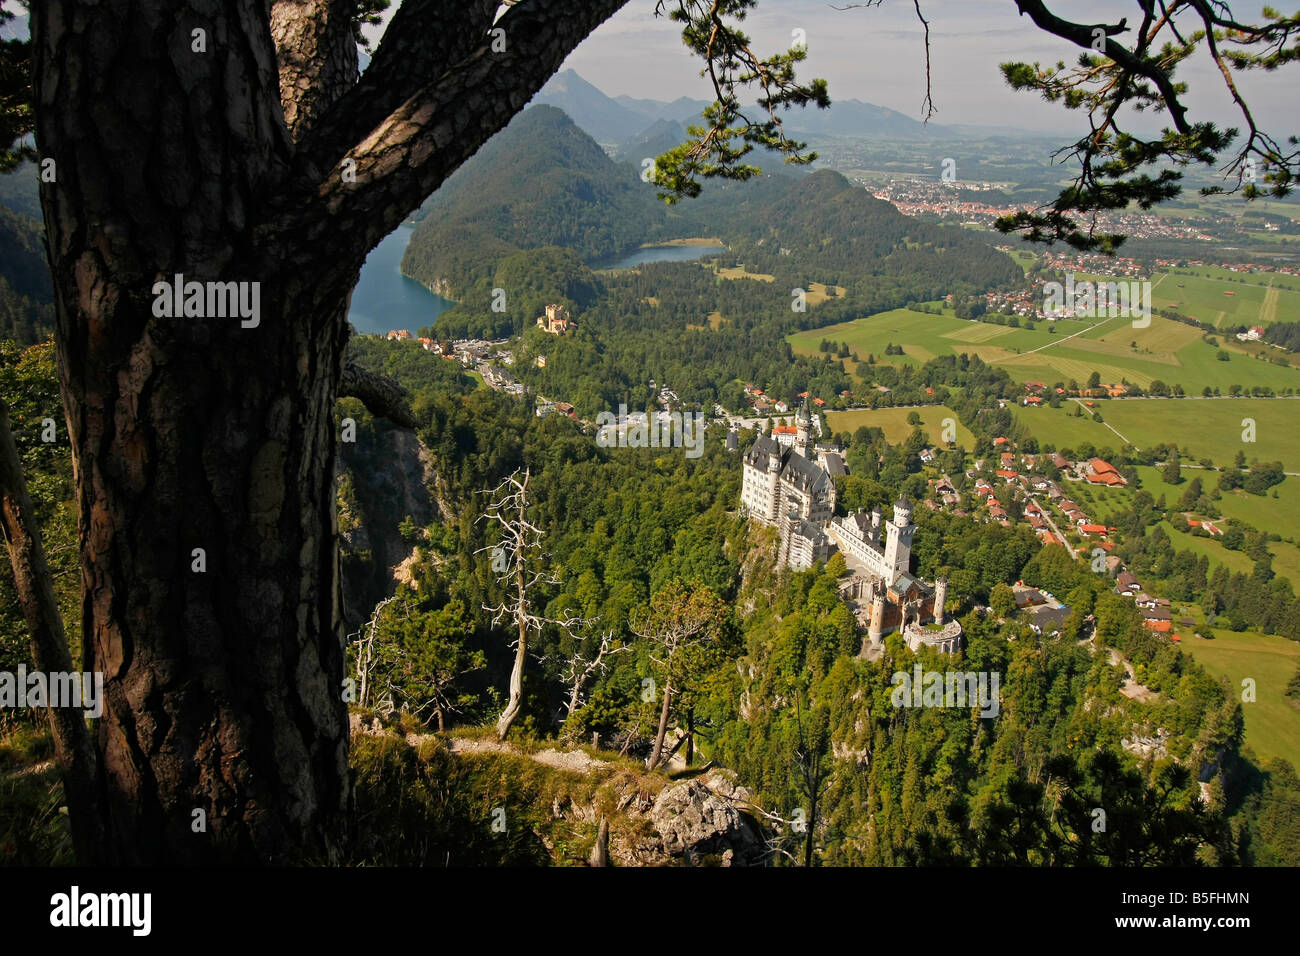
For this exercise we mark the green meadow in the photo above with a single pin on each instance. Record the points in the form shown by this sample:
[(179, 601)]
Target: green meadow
[(1169, 351), (1272, 719), (1228, 298), (1059, 427), (1211, 428), (893, 422)]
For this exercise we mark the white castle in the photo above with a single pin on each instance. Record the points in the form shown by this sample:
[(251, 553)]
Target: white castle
[(787, 488)]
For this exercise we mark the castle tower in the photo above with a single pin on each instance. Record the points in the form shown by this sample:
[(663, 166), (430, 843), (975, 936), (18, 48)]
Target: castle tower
[(803, 441), (898, 548), (875, 524), (940, 596), (876, 630)]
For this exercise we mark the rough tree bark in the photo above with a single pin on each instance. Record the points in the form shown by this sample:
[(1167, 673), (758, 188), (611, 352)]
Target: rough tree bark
[(225, 160)]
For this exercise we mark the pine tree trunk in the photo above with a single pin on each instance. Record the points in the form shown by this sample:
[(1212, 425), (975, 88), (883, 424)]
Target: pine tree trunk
[(658, 750), (222, 673), (223, 684)]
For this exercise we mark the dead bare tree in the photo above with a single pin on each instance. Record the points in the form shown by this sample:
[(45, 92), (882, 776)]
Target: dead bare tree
[(365, 649), (516, 560), (579, 670)]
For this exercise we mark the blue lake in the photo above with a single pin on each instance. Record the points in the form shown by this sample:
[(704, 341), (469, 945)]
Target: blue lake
[(661, 254), (384, 299)]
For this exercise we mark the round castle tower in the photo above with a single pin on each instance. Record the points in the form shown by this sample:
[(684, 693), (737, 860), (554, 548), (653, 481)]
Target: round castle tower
[(876, 630)]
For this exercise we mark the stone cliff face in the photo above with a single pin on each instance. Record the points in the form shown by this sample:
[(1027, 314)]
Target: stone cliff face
[(392, 477)]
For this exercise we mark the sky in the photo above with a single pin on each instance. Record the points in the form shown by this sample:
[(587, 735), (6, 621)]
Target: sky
[(877, 54)]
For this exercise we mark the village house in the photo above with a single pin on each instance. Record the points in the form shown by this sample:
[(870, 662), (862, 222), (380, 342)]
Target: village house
[(1098, 471)]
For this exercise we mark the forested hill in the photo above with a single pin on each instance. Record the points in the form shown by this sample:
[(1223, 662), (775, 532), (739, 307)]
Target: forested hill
[(539, 182), (843, 232), (543, 182), (26, 294)]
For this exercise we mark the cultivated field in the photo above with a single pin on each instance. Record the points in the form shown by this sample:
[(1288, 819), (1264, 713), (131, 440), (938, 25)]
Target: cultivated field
[(893, 421), (1272, 720), (1211, 428), (1169, 351), (1232, 299)]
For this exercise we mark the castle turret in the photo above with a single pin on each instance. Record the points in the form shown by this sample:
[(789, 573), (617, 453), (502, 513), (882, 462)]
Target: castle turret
[(940, 596), (803, 441), (898, 548), (876, 630)]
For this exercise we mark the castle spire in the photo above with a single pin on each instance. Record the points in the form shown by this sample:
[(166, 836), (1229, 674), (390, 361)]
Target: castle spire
[(803, 443)]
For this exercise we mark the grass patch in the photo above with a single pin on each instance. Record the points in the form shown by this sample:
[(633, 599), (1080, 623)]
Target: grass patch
[(1212, 428), (1272, 720), (893, 422)]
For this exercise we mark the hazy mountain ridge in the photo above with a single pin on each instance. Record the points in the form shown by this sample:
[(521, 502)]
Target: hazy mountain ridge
[(617, 119)]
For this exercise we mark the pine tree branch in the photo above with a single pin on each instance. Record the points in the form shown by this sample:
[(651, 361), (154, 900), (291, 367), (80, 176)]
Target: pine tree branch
[(423, 40), (316, 48), (441, 121), (1084, 35), (382, 396)]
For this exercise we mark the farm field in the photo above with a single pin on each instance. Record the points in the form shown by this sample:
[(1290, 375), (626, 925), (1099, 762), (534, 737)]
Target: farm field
[(1169, 351), (1239, 300), (1059, 427), (1278, 280), (1211, 428), (1272, 721), (819, 292), (893, 422), (1222, 297), (923, 336), (739, 272)]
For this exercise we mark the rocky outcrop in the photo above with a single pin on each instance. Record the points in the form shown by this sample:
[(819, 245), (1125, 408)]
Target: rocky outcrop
[(699, 821)]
